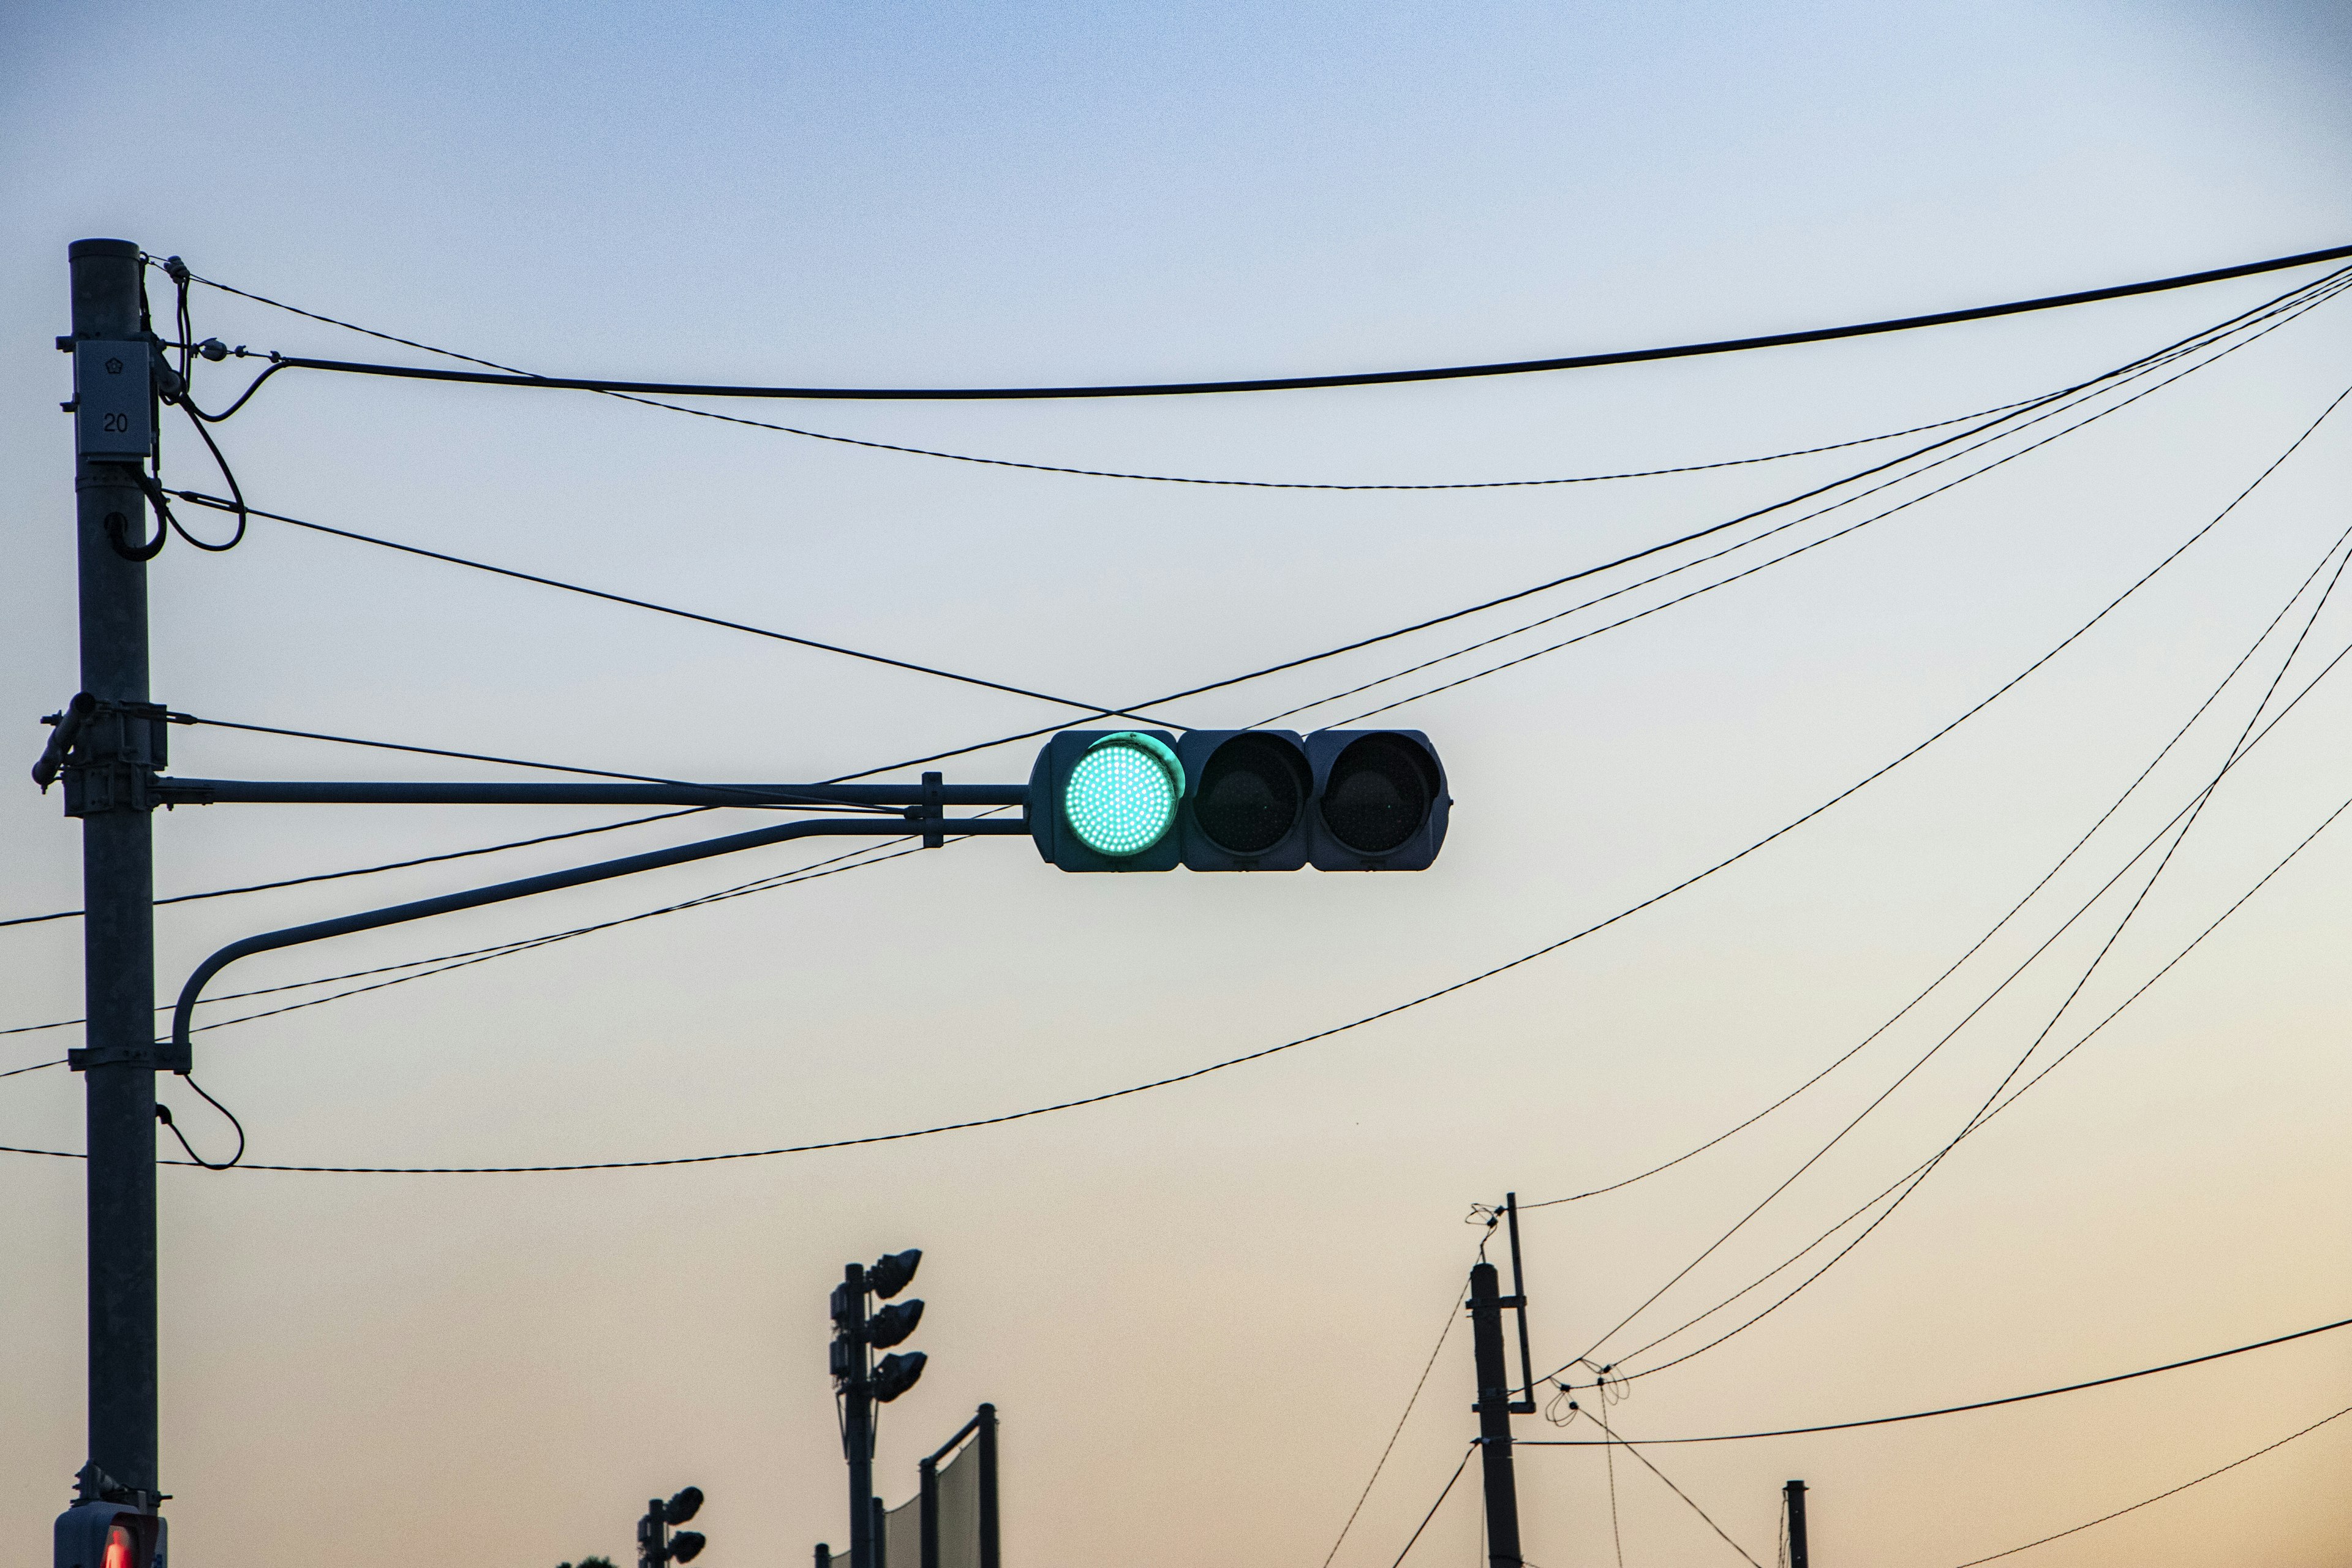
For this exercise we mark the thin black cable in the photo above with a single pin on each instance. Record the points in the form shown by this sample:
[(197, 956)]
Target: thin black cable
[(2281, 302), (1620, 1442), (163, 1115), (1431, 997), (1290, 383), (1918, 1174), (1831, 538), (2159, 1497), (2191, 813), (751, 796), (1958, 1409), (1998, 925), (904, 450), (199, 499), (442, 962), (1326, 1033), (36, 1067), (1453, 1309), (2322, 288), (372, 870), (1442, 1496)]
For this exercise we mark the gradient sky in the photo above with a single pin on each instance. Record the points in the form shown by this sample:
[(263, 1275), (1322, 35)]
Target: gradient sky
[(1202, 1311)]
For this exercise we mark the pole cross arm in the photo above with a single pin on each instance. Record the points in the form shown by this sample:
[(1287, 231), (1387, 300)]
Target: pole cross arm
[(177, 1054)]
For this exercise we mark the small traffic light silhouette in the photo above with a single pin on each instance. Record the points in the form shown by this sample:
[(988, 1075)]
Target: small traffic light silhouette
[(655, 1545)]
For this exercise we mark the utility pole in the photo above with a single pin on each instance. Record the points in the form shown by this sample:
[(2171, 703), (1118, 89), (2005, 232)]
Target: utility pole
[(1795, 1492), (1494, 1409), (110, 741)]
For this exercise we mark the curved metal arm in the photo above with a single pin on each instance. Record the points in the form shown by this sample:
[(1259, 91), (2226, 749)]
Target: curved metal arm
[(181, 1054)]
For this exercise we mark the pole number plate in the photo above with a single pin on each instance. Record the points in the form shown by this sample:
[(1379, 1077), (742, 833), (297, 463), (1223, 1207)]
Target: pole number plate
[(113, 407)]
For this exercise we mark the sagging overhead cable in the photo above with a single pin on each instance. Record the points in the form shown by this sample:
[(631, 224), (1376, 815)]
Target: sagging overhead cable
[(1310, 382)]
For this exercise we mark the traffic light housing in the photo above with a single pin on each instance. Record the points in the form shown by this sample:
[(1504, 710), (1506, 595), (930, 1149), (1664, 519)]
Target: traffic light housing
[(1238, 800), (109, 1535), (656, 1546), (857, 1331)]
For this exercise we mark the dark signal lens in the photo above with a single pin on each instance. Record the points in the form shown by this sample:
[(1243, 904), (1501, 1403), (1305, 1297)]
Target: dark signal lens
[(1251, 790), (1378, 791)]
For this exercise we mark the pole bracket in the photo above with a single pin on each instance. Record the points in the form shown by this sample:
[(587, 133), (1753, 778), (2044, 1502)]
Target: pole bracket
[(108, 753)]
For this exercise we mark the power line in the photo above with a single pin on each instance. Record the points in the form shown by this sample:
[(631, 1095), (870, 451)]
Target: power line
[(1452, 1310), (1444, 1492), (1920, 1172), (1326, 1033), (387, 866), (1955, 1409), (2322, 287), (2287, 314), (198, 498), (2161, 1496), (1304, 383), (761, 797), (2189, 812), (1998, 925), (1616, 1441)]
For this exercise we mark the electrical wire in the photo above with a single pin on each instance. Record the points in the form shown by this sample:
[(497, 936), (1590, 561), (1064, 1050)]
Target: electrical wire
[(2159, 1497), (1998, 925), (2324, 287), (1910, 1180), (2317, 291), (443, 963), (1833, 537), (2189, 813), (163, 1115), (1303, 383), (1452, 1310), (1358, 1023), (1618, 1442), (1958, 1409), (1446, 1492), (387, 866)]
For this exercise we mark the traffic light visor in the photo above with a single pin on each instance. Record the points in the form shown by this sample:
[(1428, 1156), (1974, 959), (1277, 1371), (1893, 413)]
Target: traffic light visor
[(685, 1546), (683, 1506), (1121, 795), (893, 1272)]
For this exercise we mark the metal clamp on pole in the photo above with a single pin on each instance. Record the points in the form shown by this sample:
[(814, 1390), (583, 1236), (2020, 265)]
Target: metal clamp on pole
[(107, 753), (933, 809)]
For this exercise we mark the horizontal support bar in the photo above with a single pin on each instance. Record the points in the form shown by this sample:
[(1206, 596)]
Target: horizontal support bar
[(268, 792), (652, 860)]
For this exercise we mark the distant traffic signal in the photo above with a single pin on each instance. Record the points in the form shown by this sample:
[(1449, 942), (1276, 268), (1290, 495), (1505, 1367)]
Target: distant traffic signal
[(655, 1545), (1238, 800), (108, 1535), (858, 1332)]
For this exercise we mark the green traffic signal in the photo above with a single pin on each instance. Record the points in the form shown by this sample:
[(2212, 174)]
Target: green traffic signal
[(1121, 795)]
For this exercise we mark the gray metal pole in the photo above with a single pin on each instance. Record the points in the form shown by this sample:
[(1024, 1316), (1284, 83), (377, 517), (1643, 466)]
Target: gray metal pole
[(118, 921), (857, 1430), (1795, 1493), (1494, 1419), (990, 1556)]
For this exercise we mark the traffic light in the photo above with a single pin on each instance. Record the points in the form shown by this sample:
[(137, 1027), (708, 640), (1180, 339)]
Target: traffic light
[(858, 1332), (655, 1545), (109, 1535), (1238, 800)]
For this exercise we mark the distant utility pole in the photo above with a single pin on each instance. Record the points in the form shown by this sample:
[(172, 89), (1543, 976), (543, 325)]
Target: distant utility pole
[(1494, 1409), (1795, 1492), (107, 744)]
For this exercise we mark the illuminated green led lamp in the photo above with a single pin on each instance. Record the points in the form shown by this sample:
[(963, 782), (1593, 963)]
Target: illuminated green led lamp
[(1121, 795)]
